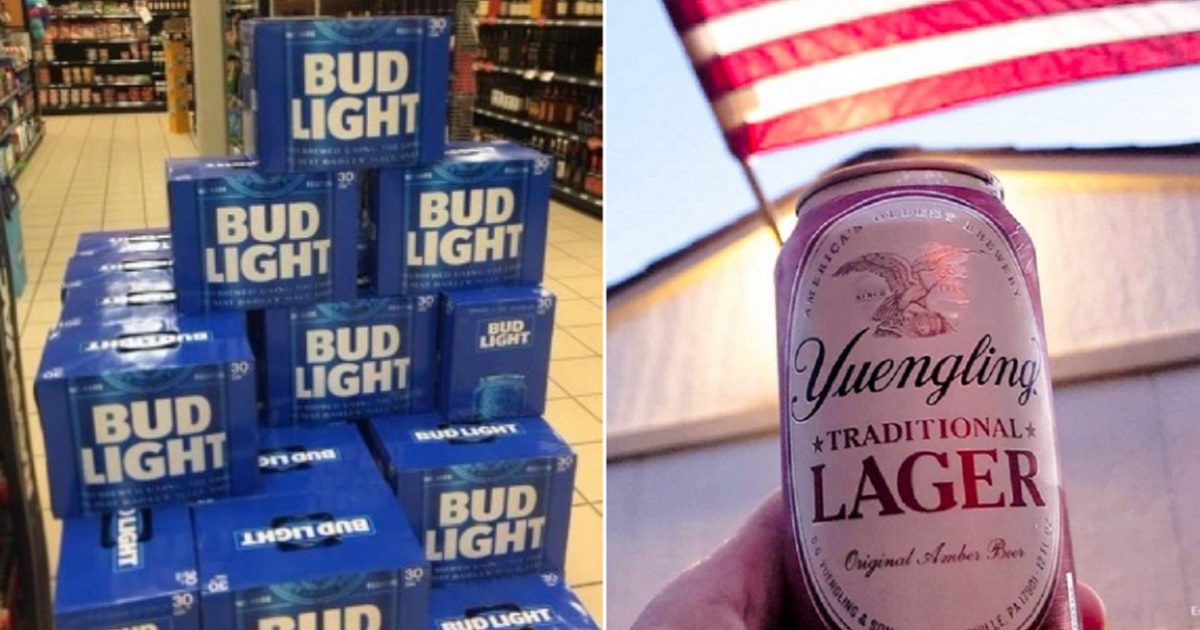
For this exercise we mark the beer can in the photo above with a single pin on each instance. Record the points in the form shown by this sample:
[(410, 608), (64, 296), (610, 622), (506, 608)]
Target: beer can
[(919, 457)]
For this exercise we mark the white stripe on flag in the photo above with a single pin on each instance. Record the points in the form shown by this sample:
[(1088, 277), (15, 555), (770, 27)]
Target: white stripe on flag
[(919, 59), (754, 27)]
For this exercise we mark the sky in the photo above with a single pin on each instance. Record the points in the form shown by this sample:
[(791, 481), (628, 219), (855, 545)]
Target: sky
[(669, 178)]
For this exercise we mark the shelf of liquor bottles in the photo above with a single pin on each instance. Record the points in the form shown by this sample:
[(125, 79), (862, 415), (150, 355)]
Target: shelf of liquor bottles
[(543, 129), (539, 81), (577, 12), (544, 76), (525, 47), (104, 55), (578, 162), (20, 122), (105, 108)]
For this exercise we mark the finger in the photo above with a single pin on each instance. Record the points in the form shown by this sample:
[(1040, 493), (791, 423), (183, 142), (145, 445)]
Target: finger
[(1091, 608), (738, 586)]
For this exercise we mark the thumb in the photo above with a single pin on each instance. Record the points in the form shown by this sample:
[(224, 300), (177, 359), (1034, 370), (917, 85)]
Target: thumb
[(738, 586)]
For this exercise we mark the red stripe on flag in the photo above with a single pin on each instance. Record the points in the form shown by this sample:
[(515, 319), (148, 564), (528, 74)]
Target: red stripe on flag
[(686, 14), (725, 74), (927, 95)]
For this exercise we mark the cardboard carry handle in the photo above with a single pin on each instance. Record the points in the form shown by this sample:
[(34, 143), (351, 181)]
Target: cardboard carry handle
[(507, 607), (301, 545), (476, 420), (109, 531), (147, 341)]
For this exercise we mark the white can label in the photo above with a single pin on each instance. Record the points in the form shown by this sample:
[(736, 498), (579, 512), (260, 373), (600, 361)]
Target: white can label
[(920, 426)]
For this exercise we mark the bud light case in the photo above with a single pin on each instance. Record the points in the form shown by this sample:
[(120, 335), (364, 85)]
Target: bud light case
[(119, 297), (120, 282), (124, 241), (488, 499), (495, 349), (148, 411), (530, 601), (313, 459), (105, 265), (131, 569), (340, 94), (476, 218), (338, 559), (339, 361), (246, 240)]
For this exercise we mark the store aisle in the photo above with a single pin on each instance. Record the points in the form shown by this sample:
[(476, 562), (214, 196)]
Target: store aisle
[(107, 172)]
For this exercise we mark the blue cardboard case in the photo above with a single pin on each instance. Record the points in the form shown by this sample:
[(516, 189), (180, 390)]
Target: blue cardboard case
[(134, 298), (339, 361), (476, 218), (128, 569), (245, 240), (337, 559), (312, 459), (337, 94), (141, 412), (495, 350), (121, 281), (487, 500), (124, 241), (96, 265), (530, 601)]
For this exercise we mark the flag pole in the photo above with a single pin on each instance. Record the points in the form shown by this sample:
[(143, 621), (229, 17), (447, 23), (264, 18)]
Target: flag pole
[(765, 207)]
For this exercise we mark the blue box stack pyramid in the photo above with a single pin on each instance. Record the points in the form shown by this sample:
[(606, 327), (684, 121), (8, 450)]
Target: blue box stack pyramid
[(315, 401)]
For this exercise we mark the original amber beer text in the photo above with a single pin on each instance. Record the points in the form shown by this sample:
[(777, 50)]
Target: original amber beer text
[(918, 435)]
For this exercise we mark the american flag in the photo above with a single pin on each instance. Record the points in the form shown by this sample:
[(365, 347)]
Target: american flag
[(783, 72)]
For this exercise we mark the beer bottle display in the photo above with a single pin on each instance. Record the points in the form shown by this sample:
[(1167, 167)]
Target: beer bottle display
[(917, 426)]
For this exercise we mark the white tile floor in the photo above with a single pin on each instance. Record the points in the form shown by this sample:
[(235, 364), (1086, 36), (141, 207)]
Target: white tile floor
[(107, 172)]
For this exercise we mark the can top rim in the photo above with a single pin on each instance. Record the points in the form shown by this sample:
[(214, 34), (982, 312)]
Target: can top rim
[(856, 171)]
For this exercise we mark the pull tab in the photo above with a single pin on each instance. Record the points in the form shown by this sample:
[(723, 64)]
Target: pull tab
[(110, 532), (507, 607), (314, 543)]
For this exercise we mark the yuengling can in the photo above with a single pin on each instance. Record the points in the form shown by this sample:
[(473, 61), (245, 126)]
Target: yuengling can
[(919, 457)]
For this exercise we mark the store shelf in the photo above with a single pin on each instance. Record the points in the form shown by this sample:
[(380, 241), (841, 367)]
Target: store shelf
[(93, 84), (7, 133), (105, 108), (24, 161), (110, 62), (82, 15), (16, 94), (579, 199), (119, 40), (545, 76), (554, 131), (541, 22)]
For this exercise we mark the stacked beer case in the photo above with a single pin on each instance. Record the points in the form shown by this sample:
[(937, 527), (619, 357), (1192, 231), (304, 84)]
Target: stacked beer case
[(317, 401)]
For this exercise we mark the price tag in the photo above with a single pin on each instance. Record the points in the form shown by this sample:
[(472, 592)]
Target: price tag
[(529, 74), (144, 13), (546, 76)]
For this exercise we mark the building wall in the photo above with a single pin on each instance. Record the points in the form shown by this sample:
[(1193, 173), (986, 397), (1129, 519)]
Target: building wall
[(1119, 260), (691, 361), (1130, 470)]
